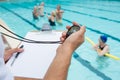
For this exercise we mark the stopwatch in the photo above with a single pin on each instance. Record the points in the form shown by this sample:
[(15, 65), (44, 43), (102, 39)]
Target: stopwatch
[(72, 29)]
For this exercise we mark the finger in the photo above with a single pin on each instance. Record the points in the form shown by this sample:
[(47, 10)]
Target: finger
[(20, 50), (68, 27), (14, 50), (62, 39), (64, 34), (82, 30), (74, 23)]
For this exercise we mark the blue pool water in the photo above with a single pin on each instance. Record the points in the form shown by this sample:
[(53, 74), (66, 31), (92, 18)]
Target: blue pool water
[(100, 17)]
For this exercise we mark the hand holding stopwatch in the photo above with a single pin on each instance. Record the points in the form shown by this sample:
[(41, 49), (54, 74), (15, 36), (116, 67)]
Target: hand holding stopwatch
[(72, 29)]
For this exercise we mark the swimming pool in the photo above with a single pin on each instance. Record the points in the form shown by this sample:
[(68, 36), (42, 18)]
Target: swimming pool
[(100, 17)]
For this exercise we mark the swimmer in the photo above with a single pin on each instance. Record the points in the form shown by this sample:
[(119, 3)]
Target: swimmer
[(35, 13), (102, 47), (41, 9), (58, 13), (51, 19)]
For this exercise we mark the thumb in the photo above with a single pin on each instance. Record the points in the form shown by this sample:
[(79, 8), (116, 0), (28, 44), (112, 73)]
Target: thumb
[(82, 30)]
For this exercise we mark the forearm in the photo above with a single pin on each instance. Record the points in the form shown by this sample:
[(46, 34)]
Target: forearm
[(99, 52), (59, 67), (7, 55)]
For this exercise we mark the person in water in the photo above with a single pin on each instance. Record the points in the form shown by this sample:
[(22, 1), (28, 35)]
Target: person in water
[(35, 13), (51, 19), (58, 14), (41, 9), (102, 47)]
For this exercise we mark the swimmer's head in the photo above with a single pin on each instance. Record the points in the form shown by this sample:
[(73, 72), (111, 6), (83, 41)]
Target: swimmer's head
[(103, 38), (53, 13), (58, 7), (42, 4)]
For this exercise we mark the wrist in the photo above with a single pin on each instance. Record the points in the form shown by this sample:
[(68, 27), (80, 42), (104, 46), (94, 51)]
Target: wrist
[(65, 48)]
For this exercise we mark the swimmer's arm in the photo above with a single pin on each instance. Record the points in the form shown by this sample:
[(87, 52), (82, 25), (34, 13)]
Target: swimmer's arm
[(40, 7), (102, 52), (62, 11), (95, 47)]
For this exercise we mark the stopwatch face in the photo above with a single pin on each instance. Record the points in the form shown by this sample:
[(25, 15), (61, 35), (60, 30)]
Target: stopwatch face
[(72, 30)]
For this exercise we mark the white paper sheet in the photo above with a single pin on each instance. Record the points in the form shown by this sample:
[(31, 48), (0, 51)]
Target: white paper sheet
[(36, 58)]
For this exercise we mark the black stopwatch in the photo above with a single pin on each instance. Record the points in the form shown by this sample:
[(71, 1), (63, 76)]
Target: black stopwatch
[(72, 29)]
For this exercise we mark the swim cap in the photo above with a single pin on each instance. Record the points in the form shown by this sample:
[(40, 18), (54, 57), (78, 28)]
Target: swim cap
[(103, 38)]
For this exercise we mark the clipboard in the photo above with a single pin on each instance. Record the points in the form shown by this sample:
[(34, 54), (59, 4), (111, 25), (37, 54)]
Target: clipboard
[(36, 58)]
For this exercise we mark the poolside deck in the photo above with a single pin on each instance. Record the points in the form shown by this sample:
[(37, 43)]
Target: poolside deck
[(9, 42)]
